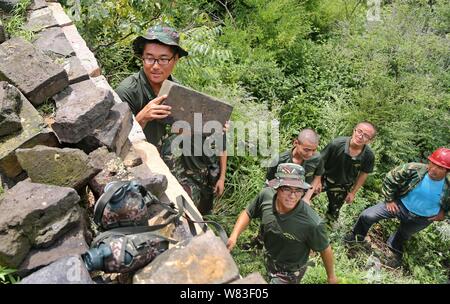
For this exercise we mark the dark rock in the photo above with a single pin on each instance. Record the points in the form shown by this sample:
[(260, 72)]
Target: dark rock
[(34, 215), (37, 77), (67, 270), (81, 112)]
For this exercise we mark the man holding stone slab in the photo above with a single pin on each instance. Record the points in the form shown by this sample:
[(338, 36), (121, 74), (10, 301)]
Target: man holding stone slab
[(201, 175)]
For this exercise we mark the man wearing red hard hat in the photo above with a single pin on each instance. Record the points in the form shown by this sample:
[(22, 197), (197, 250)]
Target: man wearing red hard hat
[(417, 194)]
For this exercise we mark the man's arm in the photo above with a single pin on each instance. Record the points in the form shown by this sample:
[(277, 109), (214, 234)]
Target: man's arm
[(362, 176), (153, 110), (316, 187), (220, 185), (241, 224), (327, 258)]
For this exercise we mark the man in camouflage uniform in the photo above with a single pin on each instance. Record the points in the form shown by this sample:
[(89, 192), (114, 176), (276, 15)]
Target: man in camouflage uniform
[(417, 194), (200, 175), (291, 228), (348, 162), (160, 51)]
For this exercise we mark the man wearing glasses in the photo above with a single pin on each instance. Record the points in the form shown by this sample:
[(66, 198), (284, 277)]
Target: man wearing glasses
[(159, 50), (291, 228), (347, 161)]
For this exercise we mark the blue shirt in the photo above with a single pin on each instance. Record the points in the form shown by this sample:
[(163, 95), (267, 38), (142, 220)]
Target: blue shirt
[(424, 199)]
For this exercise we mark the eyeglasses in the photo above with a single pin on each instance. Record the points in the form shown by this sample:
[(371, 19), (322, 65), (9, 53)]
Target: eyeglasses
[(160, 61), (291, 190), (360, 132)]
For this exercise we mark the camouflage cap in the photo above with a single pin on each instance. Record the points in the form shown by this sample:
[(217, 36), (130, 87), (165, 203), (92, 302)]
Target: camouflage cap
[(289, 174), (163, 34)]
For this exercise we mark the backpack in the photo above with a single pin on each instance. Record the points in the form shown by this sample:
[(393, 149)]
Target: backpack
[(124, 250)]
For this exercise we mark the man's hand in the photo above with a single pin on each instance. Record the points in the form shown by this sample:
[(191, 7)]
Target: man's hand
[(333, 280), (392, 207), (219, 187), (318, 187), (439, 217), (350, 197), (231, 243), (153, 110)]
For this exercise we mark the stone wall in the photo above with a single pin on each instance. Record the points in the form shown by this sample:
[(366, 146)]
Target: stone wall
[(54, 168)]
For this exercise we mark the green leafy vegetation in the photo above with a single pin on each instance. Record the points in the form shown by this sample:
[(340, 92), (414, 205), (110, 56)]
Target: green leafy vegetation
[(7, 276), (14, 23), (319, 64)]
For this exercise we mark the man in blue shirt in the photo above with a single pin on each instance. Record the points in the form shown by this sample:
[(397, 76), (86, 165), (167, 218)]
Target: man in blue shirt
[(416, 194)]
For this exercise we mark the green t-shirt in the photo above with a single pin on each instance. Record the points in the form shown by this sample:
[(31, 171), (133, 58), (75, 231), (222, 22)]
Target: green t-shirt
[(288, 238), (137, 92), (313, 166), (340, 167)]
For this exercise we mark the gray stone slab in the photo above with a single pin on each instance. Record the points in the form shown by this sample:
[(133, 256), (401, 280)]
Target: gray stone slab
[(38, 77), (67, 270), (80, 110), (186, 103), (54, 166), (38, 20), (34, 215), (203, 260), (52, 41), (73, 242)]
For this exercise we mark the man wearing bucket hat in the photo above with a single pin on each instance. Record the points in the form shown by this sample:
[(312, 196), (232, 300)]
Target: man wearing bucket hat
[(291, 228), (159, 50), (417, 194)]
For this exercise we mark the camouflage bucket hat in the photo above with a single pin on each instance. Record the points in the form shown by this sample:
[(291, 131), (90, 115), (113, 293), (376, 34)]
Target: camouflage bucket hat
[(163, 34), (289, 174)]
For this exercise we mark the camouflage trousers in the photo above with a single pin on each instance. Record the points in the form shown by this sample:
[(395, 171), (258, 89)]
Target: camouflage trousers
[(336, 196), (278, 275), (198, 184)]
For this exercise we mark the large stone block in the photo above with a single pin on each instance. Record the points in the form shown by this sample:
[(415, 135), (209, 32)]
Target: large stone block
[(67, 270), (34, 132), (34, 215), (113, 133), (37, 77), (81, 111), (203, 260), (73, 242), (188, 104), (40, 19), (53, 42), (61, 167)]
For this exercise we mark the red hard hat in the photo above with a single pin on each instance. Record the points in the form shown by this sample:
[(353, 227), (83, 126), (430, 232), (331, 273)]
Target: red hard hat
[(441, 157)]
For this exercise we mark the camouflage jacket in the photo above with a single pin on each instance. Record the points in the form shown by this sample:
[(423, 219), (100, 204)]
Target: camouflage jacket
[(402, 179)]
